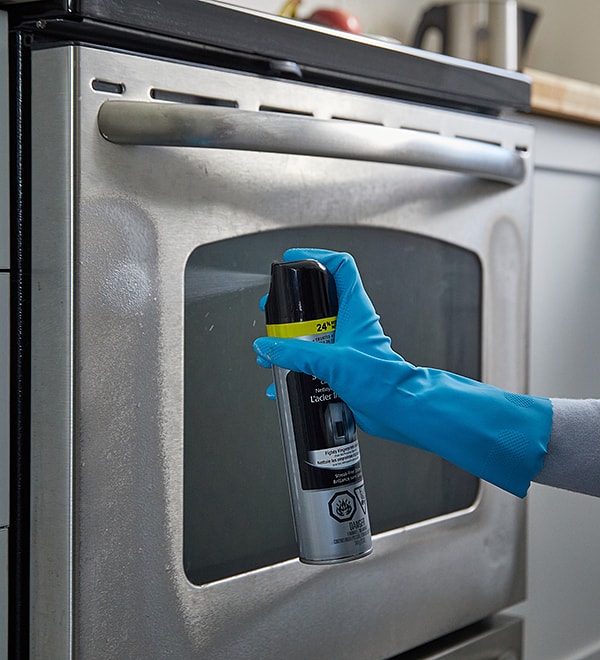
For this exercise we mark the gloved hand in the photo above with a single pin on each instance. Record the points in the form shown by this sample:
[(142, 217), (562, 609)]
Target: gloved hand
[(493, 434)]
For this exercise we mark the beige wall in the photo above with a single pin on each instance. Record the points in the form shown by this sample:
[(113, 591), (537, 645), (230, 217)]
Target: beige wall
[(565, 40)]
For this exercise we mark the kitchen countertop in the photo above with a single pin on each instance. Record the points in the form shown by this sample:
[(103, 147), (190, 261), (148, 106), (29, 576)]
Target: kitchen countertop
[(564, 98)]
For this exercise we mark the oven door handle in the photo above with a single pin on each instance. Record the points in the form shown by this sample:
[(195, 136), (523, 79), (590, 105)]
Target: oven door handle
[(208, 127)]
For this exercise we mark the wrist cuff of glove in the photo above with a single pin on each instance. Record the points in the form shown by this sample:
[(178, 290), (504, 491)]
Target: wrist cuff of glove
[(519, 449)]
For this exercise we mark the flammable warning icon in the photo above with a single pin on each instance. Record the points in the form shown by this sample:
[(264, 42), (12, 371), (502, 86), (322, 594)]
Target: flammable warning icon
[(342, 506)]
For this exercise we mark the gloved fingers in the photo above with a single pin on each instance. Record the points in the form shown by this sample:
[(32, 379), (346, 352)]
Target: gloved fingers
[(354, 303), (294, 254), (343, 268), (295, 354), (340, 264), (271, 393), (262, 303), (262, 362)]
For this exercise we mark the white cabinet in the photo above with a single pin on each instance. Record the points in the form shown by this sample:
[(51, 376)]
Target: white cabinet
[(565, 350), (562, 613)]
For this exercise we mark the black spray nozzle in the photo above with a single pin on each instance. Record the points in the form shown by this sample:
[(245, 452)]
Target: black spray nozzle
[(300, 291)]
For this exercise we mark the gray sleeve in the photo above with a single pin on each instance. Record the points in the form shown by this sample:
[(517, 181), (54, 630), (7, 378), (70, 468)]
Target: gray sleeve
[(573, 458)]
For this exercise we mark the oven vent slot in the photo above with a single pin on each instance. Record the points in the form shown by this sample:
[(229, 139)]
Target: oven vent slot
[(287, 111), (494, 143), (358, 121), (193, 99), (429, 131), (107, 86)]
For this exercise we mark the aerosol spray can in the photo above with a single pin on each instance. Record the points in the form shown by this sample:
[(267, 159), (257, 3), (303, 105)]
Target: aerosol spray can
[(318, 430)]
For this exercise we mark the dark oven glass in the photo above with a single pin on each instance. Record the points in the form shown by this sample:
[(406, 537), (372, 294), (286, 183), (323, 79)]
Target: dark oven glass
[(236, 509)]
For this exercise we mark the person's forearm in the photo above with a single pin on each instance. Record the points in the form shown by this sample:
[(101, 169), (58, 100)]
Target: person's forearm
[(496, 435), (573, 458)]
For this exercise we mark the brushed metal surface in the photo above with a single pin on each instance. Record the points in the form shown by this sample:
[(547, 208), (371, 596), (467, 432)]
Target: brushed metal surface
[(52, 356), (113, 228), (497, 638)]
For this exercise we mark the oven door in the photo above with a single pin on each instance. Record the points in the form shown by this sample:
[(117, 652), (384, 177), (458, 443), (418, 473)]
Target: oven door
[(160, 518)]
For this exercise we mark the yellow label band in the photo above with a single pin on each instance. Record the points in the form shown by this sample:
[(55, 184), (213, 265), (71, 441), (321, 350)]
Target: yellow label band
[(301, 329)]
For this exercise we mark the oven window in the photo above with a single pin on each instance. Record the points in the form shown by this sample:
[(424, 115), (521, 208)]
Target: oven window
[(237, 514)]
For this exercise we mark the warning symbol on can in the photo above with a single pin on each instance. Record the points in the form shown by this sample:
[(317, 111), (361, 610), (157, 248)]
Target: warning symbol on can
[(362, 498), (342, 506)]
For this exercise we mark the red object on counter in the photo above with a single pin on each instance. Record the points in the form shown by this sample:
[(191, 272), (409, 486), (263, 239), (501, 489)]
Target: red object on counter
[(336, 18)]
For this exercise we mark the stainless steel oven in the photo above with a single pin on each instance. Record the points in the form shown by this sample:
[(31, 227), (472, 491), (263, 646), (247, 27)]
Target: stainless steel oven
[(161, 190)]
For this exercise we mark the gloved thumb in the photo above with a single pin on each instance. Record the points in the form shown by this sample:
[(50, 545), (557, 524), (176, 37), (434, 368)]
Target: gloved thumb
[(294, 354)]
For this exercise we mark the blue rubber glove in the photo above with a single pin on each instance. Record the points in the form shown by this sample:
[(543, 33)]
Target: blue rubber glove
[(495, 435)]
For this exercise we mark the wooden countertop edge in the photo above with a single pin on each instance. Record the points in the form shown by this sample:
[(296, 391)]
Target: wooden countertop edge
[(562, 97)]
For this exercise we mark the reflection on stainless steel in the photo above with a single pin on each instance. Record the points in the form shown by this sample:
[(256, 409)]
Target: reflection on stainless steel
[(180, 125)]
